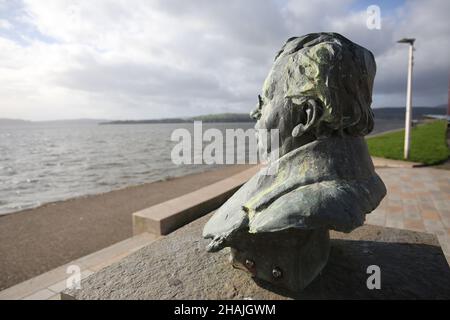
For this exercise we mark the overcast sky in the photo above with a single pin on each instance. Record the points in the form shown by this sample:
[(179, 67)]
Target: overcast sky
[(64, 59)]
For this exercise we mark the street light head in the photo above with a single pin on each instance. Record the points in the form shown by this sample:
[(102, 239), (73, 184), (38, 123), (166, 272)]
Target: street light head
[(407, 40)]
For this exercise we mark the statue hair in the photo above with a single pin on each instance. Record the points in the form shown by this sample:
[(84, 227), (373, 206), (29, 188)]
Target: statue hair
[(337, 73)]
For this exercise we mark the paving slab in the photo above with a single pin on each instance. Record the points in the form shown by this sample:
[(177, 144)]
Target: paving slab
[(417, 199), (390, 163)]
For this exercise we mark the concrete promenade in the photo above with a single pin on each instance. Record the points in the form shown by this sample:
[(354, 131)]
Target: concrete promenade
[(417, 199)]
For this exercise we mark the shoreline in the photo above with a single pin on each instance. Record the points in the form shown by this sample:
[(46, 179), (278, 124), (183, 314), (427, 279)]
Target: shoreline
[(121, 188), (36, 240)]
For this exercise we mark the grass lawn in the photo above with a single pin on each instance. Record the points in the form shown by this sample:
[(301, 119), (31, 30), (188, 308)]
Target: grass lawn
[(428, 144)]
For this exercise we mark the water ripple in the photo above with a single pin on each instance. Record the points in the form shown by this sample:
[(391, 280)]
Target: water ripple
[(56, 162)]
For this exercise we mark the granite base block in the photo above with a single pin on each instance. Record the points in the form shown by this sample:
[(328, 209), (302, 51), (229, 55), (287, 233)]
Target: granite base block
[(178, 267)]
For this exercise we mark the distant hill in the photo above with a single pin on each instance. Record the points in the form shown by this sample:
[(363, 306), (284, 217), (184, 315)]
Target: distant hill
[(5, 122), (221, 117), (73, 121), (388, 113), (224, 117), (148, 121), (398, 113)]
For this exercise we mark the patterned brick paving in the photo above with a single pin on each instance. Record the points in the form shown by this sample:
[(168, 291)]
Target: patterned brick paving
[(417, 199)]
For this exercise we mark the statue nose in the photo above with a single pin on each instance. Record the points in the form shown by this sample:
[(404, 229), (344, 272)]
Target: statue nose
[(256, 113)]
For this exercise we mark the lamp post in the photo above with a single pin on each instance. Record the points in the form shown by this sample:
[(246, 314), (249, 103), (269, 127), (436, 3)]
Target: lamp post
[(410, 41)]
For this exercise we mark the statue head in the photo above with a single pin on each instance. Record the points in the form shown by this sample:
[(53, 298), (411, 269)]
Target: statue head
[(319, 85)]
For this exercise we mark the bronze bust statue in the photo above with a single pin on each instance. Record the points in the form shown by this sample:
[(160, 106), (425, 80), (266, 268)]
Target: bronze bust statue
[(318, 94)]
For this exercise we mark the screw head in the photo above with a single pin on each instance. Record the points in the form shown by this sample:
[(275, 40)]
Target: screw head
[(276, 273), (249, 263)]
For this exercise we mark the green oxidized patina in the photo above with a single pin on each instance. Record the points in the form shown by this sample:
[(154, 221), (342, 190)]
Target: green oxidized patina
[(318, 95)]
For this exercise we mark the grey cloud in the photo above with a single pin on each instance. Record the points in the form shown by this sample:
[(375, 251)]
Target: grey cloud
[(427, 22), (236, 48), (142, 80), (250, 21)]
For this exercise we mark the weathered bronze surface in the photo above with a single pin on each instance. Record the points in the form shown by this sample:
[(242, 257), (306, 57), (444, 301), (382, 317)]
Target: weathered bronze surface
[(318, 94)]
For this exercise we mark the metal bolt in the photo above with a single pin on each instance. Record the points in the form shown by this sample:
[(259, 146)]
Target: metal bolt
[(276, 273), (249, 263)]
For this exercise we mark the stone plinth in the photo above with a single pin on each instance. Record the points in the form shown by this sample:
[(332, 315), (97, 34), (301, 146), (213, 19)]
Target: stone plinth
[(167, 216), (178, 267)]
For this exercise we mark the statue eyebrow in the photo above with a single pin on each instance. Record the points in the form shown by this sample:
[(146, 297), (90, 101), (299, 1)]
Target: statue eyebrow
[(260, 101)]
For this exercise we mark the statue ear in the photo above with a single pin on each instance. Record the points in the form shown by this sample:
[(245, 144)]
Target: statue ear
[(312, 111)]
